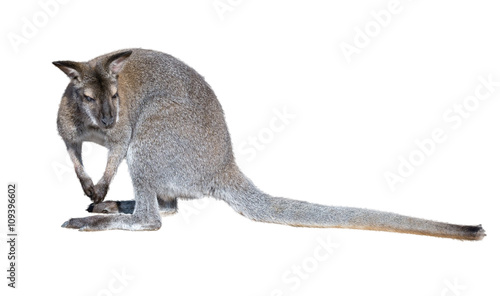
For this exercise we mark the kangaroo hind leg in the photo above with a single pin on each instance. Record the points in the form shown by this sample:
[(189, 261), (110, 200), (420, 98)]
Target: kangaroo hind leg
[(112, 207), (166, 205), (146, 216)]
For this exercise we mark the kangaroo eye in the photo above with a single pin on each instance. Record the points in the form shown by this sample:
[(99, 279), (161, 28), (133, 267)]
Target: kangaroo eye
[(104, 211), (115, 96), (89, 99)]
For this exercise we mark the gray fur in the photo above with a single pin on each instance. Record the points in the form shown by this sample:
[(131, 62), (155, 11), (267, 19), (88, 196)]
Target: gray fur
[(167, 122)]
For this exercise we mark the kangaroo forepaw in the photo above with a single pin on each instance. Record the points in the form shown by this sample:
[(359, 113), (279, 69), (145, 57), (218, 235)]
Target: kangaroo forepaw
[(100, 191), (88, 187)]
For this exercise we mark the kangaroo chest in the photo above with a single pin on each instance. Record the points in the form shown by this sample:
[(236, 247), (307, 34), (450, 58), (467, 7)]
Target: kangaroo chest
[(96, 136)]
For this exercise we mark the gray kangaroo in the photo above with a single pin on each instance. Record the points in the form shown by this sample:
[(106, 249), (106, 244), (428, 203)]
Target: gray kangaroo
[(161, 115)]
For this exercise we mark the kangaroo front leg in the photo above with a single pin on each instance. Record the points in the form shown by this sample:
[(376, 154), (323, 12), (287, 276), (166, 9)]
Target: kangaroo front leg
[(115, 157), (146, 216), (75, 154)]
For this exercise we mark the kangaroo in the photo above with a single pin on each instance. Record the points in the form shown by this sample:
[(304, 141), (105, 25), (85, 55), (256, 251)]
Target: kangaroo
[(161, 115)]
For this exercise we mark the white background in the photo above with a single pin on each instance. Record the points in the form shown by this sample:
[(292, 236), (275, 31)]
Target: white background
[(351, 123)]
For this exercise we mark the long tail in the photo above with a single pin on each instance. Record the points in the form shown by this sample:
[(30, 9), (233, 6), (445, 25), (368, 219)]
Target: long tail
[(249, 201)]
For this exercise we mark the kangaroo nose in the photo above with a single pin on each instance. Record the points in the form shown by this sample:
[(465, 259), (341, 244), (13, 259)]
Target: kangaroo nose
[(107, 121)]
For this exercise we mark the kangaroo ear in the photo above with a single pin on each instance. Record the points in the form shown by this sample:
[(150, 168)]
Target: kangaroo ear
[(72, 69), (116, 62)]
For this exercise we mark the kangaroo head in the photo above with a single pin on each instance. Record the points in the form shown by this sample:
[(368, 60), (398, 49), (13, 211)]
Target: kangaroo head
[(94, 86)]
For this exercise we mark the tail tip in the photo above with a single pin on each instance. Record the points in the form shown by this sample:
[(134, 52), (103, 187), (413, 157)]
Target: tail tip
[(475, 232)]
